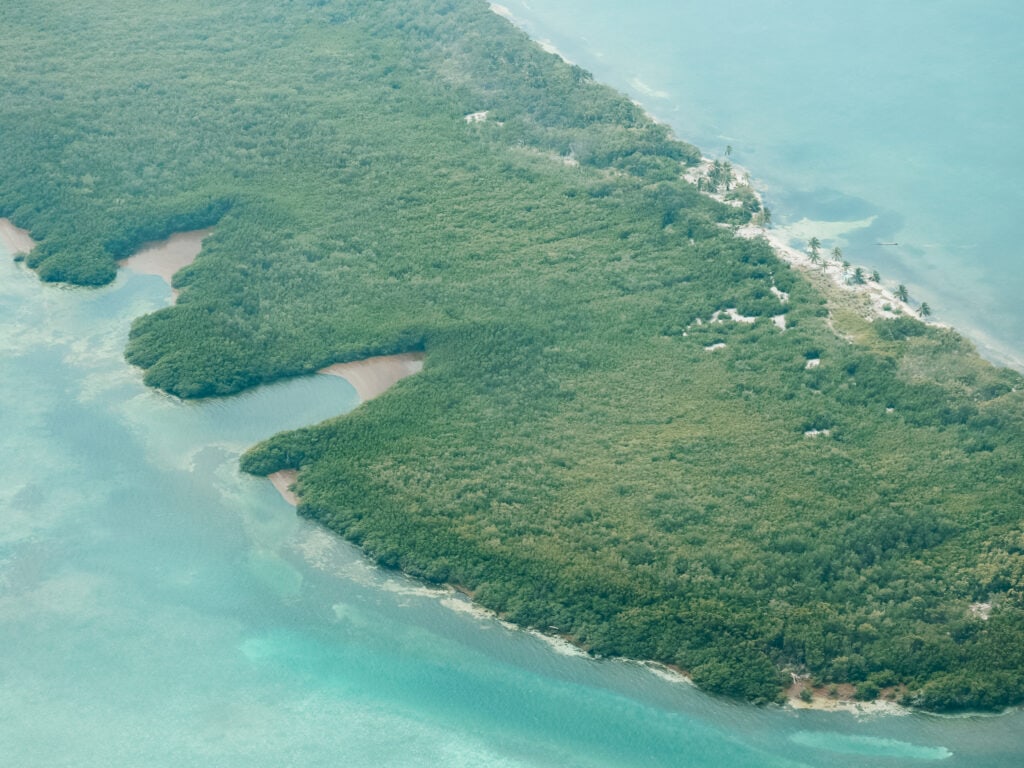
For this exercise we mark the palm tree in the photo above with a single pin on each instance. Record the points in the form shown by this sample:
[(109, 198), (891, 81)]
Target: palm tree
[(720, 175), (766, 217), (858, 276), (728, 150), (837, 254), (875, 277), (924, 310), (814, 244), (902, 293)]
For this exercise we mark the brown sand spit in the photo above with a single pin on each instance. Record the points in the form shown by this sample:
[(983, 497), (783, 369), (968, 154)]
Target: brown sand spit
[(15, 240), (374, 375), (165, 257), (283, 481)]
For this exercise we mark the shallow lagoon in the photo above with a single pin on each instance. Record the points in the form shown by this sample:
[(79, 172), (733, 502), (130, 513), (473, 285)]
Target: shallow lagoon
[(159, 608)]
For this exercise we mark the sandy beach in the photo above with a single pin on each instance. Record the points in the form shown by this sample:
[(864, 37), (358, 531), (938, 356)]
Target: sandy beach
[(841, 699), (283, 481), (879, 301), (165, 257), (374, 375), (15, 240)]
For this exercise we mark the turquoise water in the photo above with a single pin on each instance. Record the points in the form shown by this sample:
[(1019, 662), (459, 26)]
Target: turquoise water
[(158, 608), (863, 122)]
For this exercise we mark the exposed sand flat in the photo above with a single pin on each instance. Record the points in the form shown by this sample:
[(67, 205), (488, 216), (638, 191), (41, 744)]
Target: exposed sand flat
[(165, 257), (282, 480), (372, 376), (15, 240)]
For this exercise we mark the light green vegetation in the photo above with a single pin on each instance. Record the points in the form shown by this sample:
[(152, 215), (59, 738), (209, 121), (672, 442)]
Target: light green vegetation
[(572, 453)]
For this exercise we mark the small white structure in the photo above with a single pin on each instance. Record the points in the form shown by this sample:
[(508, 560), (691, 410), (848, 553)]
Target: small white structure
[(476, 117), (813, 363), (981, 610), (733, 314)]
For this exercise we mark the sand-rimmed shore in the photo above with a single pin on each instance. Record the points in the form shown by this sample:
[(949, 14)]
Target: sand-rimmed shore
[(283, 480), (15, 240), (375, 375), (164, 258), (371, 378), (879, 301)]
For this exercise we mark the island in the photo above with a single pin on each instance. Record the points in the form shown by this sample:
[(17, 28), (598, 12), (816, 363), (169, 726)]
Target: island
[(637, 425)]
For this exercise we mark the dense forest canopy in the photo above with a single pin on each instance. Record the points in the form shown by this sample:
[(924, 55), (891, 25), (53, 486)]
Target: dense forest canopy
[(585, 448)]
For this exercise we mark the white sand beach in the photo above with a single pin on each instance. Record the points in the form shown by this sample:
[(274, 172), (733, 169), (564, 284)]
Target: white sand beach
[(880, 301)]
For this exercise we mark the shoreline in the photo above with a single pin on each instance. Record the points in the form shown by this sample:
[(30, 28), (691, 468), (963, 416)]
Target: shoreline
[(880, 302), (370, 377), (997, 351), (283, 480), (779, 238), (373, 376), (459, 598), (164, 258), (15, 240)]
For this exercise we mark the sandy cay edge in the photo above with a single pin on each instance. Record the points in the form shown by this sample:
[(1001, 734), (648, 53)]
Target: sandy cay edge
[(880, 302)]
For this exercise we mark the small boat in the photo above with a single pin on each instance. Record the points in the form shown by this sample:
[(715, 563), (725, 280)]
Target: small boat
[(886, 243)]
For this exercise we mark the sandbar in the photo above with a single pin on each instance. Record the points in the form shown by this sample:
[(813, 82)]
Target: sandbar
[(15, 240), (165, 257)]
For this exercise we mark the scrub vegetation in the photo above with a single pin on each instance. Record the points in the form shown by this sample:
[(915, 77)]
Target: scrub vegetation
[(588, 450)]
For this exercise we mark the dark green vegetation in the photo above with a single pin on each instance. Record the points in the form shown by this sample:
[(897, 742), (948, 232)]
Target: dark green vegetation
[(572, 454)]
